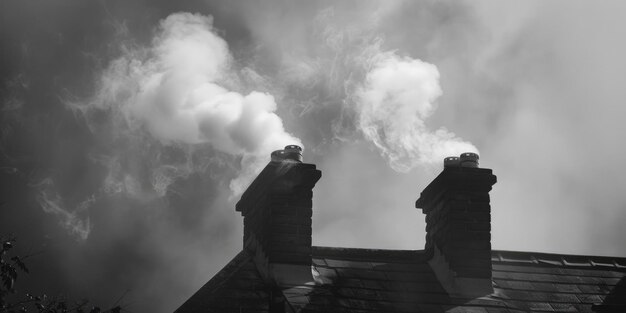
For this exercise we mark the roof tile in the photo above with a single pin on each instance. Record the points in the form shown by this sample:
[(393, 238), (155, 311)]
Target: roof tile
[(567, 288), (497, 310), (527, 295), (592, 299), (522, 285), (347, 264), (540, 306), (319, 262), (467, 309), (593, 289), (583, 308), (563, 307)]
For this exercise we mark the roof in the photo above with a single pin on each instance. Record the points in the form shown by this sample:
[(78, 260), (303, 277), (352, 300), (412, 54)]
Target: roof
[(375, 280), (238, 287)]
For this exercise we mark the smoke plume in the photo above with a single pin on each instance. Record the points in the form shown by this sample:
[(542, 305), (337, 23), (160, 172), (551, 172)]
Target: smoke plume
[(355, 79), (75, 221), (393, 104), (184, 89)]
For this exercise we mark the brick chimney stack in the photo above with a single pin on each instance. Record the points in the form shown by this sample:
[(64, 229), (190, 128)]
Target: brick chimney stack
[(458, 226), (277, 210)]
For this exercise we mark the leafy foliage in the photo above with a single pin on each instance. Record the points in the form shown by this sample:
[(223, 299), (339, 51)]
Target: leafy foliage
[(13, 301)]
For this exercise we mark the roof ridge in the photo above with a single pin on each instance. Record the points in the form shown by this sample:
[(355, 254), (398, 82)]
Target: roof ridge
[(560, 260), (368, 254), (504, 256)]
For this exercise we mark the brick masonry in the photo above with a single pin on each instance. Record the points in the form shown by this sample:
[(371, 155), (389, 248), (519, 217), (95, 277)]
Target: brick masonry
[(277, 210), (458, 220)]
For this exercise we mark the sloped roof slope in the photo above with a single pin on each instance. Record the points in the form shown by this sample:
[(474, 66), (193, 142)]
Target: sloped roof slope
[(374, 280), (238, 287)]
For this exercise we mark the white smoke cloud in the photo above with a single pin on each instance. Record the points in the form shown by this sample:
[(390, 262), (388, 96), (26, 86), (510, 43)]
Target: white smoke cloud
[(393, 103), (74, 221), (385, 97), (177, 90)]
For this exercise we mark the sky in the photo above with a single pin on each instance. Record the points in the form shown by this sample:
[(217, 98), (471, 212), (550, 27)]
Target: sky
[(128, 129)]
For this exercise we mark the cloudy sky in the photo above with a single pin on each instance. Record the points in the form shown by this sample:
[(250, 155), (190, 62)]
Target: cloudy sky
[(129, 128)]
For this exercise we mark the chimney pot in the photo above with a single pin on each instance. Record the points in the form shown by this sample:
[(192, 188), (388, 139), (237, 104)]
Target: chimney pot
[(293, 152), (277, 155), (469, 159), (451, 162)]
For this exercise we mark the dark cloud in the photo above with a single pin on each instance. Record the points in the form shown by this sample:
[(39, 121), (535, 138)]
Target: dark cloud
[(53, 160), (538, 92)]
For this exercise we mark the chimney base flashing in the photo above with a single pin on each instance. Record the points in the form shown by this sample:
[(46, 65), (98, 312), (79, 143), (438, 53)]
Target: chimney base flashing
[(285, 275), (455, 286), (276, 273)]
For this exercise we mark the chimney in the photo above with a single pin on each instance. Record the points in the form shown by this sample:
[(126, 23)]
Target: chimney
[(458, 226), (277, 209)]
